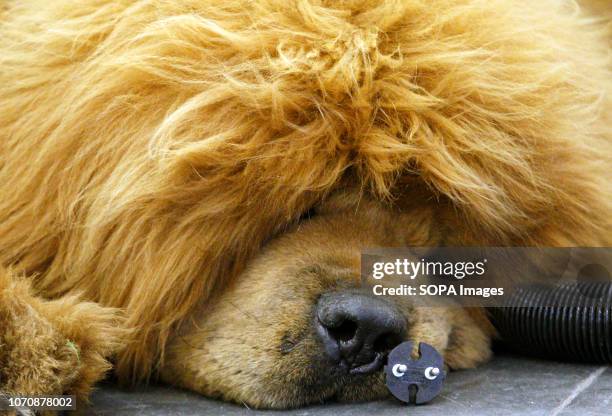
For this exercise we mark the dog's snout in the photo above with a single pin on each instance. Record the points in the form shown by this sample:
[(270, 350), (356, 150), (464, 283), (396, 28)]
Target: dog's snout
[(358, 330)]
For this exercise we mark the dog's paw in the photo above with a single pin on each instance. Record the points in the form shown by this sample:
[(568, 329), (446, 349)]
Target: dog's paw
[(53, 347), (92, 334), (462, 335)]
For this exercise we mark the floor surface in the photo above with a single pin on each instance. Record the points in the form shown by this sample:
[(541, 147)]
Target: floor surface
[(509, 385)]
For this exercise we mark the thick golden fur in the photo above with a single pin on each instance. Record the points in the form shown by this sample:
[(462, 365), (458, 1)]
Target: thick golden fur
[(149, 148)]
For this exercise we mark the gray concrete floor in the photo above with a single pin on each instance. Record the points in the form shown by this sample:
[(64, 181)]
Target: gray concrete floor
[(509, 385)]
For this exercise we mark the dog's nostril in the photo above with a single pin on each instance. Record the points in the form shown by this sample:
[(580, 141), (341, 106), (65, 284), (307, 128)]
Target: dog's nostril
[(358, 330), (345, 332)]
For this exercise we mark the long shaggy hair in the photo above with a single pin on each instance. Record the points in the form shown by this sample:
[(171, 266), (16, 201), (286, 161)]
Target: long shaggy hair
[(150, 147)]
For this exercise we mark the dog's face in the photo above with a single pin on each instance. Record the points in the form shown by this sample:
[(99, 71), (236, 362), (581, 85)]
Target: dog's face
[(296, 327)]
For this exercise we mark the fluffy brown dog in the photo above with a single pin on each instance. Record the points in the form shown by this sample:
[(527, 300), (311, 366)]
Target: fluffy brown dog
[(157, 159)]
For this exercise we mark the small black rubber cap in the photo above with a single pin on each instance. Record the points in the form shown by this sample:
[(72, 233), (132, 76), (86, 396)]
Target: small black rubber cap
[(415, 381)]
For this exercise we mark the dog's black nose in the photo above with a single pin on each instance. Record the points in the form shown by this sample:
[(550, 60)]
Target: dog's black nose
[(357, 329)]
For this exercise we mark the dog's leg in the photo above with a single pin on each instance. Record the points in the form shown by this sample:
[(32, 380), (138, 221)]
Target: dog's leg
[(462, 334), (53, 347)]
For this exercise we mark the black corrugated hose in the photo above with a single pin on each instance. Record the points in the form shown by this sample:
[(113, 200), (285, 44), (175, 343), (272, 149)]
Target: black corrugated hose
[(571, 322)]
